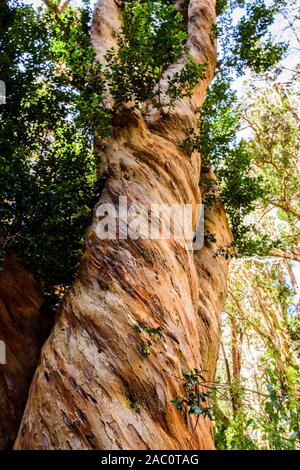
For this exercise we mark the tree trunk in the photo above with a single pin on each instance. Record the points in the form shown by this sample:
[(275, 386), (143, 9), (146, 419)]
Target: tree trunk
[(236, 355), (22, 332), (94, 387)]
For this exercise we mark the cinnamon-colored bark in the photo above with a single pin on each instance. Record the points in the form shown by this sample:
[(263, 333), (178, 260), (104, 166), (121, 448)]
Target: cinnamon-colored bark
[(22, 330), (94, 389), (212, 270)]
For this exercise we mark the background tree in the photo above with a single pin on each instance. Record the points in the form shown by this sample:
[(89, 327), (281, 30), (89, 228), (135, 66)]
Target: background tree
[(263, 301)]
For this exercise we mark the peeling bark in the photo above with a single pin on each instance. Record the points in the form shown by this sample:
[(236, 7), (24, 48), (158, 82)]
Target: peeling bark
[(212, 270), (93, 388), (23, 330)]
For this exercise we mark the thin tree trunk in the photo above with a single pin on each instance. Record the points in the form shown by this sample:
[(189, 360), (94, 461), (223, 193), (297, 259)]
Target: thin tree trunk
[(236, 351), (94, 389), (292, 255), (227, 366)]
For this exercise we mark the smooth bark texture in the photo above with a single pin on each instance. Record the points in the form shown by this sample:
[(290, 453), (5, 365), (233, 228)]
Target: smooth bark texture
[(94, 389), (23, 330)]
